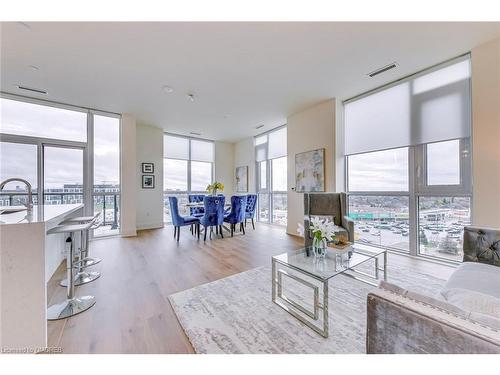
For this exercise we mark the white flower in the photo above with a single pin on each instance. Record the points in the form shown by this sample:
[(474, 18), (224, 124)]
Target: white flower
[(300, 230), (325, 228)]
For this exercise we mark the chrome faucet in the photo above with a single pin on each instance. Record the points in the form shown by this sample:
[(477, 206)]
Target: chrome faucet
[(29, 205)]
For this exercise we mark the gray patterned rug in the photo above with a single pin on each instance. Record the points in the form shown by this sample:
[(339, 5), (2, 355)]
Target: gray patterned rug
[(236, 314)]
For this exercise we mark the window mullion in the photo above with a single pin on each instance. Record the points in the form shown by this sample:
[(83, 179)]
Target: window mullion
[(413, 176)]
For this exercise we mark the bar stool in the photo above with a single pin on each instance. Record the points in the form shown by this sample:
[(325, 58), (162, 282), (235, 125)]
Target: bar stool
[(84, 261), (72, 305)]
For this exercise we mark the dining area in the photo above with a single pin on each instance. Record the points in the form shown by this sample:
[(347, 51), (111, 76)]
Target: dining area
[(213, 213)]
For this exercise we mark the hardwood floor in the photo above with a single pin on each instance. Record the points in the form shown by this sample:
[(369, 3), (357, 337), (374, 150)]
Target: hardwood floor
[(132, 313)]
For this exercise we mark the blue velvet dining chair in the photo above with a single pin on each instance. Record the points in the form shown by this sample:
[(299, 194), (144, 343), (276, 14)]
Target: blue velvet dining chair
[(196, 198), (213, 216), (179, 221), (237, 214), (250, 209)]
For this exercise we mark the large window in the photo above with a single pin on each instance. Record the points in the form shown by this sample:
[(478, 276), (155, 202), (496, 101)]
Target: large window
[(49, 145), (271, 164), (188, 167), (408, 162)]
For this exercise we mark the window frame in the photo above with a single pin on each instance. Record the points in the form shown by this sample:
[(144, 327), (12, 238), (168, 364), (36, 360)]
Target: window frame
[(87, 147)]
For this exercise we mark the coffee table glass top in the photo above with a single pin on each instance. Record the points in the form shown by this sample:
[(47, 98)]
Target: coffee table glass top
[(330, 266)]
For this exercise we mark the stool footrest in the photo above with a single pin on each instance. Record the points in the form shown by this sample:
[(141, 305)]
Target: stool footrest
[(82, 278), (70, 307)]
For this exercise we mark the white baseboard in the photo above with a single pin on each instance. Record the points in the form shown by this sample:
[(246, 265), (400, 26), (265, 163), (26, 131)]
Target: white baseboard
[(142, 226)]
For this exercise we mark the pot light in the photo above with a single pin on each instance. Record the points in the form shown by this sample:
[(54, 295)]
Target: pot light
[(168, 89), (190, 97)]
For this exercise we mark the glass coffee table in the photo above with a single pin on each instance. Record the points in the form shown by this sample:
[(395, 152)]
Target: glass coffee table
[(309, 268)]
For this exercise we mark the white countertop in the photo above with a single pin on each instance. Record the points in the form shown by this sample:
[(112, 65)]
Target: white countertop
[(39, 214)]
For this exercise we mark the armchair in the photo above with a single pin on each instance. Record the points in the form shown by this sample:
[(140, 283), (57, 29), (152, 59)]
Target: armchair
[(331, 205)]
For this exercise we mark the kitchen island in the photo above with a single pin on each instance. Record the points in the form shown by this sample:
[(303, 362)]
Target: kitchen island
[(28, 259)]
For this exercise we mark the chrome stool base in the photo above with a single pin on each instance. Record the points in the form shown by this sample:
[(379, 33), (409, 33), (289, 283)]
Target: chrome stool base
[(82, 278), (70, 307), (87, 262)]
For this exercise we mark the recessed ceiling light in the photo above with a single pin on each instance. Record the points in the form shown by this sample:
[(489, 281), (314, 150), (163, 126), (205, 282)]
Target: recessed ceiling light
[(194, 133), (190, 97), (25, 25), (259, 126), (168, 89), (38, 91)]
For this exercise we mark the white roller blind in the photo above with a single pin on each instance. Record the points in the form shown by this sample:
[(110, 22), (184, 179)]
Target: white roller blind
[(202, 150), (175, 147), (261, 152), (430, 107), (277, 143)]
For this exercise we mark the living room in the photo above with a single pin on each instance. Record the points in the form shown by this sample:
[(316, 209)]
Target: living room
[(249, 187)]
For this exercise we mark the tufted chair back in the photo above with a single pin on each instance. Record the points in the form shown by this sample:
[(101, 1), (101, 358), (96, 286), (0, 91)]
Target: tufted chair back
[(214, 211), (196, 198), (251, 204), (238, 207), (174, 211)]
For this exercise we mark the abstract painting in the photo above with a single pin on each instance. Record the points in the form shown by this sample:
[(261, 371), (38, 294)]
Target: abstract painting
[(242, 179), (310, 171)]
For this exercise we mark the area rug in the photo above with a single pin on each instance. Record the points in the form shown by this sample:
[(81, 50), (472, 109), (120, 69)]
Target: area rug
[(236, 314)]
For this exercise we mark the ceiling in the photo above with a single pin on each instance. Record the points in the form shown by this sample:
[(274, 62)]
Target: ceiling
[(241, 74)]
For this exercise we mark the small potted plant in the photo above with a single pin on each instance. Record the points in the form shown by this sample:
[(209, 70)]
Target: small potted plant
[(323, 231), (213, 188)]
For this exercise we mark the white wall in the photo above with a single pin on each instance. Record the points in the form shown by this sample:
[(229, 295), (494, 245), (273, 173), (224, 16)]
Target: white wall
[(244, 155), (308, 130), (128, 175), (224, 166), (149, 201), (486, 134)]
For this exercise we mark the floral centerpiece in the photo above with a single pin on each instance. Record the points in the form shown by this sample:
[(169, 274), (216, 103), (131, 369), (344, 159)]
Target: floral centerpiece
[(213, 188), (323, 231)]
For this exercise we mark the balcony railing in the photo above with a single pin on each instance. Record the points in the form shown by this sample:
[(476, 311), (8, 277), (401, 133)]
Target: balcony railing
[(107, 203)]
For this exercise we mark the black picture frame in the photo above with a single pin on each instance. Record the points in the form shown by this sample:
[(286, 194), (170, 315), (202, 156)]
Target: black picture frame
[(148, 168), (148, 181)]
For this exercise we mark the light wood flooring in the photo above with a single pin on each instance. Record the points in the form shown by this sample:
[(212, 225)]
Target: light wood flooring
[(132, 313)]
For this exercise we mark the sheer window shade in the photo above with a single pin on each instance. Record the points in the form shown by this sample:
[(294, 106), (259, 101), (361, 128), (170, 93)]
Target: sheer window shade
[(431, 107), (202, 150), (277, 144), (175, 147)]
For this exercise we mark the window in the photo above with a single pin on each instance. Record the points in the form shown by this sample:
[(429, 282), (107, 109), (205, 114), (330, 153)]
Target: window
[(28, 119), (188, 166), (43, 139), (271, 163), (379, 171), (412, 191), (17, 160), (106, 194), (443, 163)]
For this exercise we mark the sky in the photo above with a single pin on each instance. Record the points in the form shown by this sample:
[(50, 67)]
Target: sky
[(62, 166)]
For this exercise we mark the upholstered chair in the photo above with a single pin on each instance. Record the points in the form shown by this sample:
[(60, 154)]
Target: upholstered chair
[(237, 214), (327, 205), (214, 214), (250, 209), (179, 221), (482, 245), (196, 198)]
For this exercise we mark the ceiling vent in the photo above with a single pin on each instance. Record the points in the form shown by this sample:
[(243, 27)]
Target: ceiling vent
[(259, 126), (382, 70), (194, 133), (38, 91)]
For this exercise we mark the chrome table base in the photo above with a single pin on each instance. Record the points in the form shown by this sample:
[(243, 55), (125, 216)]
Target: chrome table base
[(70, 307)]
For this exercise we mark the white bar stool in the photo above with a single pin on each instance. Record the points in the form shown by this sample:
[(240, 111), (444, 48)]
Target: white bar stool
[(84, 257), (72, 305)]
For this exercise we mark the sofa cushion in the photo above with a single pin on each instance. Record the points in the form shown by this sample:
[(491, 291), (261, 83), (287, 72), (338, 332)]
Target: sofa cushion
[(478, 277), (477, 302)]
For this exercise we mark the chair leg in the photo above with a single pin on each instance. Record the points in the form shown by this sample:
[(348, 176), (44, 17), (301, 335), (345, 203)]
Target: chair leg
[(178, 233), (232, 229), (191, 229), (220, 231), (175, 231), (205, 234), (198, 230), (253, 224), (243, 228), (245, 221)]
